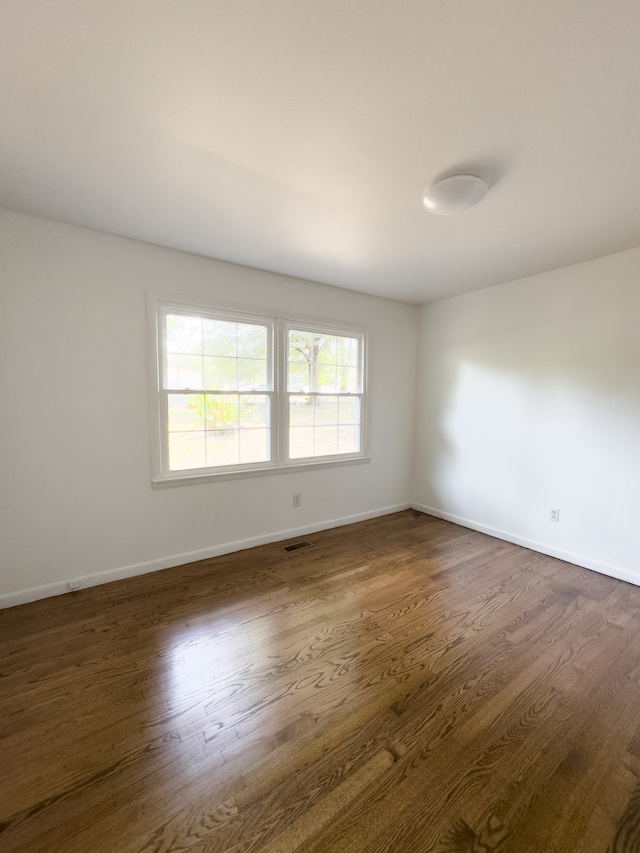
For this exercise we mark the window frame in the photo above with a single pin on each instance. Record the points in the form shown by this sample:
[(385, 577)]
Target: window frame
[(279, 324), (332, 330)]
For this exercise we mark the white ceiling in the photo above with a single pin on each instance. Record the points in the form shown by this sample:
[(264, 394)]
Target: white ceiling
[(299, 136)]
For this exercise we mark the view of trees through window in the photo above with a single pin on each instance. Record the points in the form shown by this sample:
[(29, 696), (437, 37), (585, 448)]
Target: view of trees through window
[(323, 385), (218, 386), (218, 368)]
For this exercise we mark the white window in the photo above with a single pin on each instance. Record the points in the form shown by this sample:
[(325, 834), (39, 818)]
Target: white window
[(236, 392), (324, 392)]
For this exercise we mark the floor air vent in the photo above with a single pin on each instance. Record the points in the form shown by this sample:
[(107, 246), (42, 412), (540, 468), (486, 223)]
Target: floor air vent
[(296, 546)]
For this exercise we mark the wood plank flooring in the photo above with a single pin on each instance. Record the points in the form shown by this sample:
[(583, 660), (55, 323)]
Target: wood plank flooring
[(403, 686)]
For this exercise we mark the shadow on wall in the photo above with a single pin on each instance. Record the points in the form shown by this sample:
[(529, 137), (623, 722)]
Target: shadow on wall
[(528, 408)]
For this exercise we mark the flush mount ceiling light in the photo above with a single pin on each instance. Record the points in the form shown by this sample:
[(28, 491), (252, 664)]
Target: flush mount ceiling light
[(454, 194)]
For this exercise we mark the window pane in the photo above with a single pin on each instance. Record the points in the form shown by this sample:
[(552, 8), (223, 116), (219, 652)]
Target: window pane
[(186, 450), (349, 410), (322, 363), (183, 371), (222, 447), (298, 377), (254, 411), (184, 334), (220, 373), (252, 374), (325, 440), (348, 382), (348, 439), (323, 425), (325, 349), (254, 445), (347, 351), (222, 411), (300, 442), (326, 411), (186, 412), (301, 346), (219, 337), (252, 341), (301, 410), (326, 378)]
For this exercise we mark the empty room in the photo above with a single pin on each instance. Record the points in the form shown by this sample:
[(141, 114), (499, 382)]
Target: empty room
[(320, 418)]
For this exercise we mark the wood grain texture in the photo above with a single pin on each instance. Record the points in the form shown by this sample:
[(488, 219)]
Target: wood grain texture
[(404, 686)]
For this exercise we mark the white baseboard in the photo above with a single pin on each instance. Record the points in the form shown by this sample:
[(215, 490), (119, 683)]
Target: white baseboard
[(542, 547), (59, 587)]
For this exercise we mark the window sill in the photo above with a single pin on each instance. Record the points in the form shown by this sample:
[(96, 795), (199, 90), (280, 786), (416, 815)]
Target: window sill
[(198, 479)]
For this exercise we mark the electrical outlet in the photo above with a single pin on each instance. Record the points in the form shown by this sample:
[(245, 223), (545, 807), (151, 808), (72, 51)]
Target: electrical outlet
[(297, 500), (554, 515), (73, 584)]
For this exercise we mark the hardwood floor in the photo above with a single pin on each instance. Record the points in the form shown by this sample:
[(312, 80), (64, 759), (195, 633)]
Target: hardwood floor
[(403, 686)]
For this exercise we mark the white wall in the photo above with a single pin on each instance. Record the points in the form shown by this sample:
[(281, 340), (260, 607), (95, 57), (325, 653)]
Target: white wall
[(75, 490), (528, 399)]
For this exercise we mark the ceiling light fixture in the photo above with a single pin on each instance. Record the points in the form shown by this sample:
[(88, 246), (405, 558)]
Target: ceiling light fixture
[(454, 194)]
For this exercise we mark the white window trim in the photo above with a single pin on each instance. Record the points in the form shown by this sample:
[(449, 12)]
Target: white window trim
[(157, 305)]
